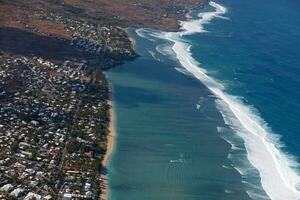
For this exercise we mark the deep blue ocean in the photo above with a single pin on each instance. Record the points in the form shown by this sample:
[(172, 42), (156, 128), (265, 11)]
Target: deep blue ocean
[(211, 112)]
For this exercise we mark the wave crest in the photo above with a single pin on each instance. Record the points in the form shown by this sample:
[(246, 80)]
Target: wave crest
[(277, 170)]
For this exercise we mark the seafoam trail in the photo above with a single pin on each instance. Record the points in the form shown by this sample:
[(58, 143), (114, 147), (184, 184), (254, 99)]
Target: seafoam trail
[(277, 171)]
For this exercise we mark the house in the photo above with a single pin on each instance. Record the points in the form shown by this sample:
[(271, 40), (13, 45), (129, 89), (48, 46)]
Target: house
[(32, 196), (89, 154), (67, 196), (48, 197), (7, 187), (17, 192)]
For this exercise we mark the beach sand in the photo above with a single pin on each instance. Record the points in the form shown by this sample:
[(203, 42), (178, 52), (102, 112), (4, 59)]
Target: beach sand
[(110, 144), (132, 41), (110, 147)]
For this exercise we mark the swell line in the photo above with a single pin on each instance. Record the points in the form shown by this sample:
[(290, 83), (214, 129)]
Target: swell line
[(277, 171)]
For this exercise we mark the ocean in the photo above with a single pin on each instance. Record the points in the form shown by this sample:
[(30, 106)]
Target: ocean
[(211, 112)]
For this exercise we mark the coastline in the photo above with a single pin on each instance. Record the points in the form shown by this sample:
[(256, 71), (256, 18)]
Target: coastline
[(159, 150), (110, 148), (110, 141), (111, 137), (51, 26), (132, 41), (263, 151)]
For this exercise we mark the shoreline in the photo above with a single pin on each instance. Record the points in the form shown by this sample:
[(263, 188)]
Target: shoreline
[(110, 141), (132, 41), (112, 135), (262, 152), (110, 148)]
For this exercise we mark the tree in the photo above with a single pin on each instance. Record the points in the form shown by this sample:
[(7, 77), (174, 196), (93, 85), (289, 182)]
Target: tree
[(14, 147), (35, 154), (73, 146)]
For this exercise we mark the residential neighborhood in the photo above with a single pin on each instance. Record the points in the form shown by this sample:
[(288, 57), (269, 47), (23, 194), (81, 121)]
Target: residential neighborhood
[(54, 111), (53, 129)]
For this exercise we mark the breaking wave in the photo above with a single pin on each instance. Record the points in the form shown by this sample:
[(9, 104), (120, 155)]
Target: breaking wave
[(277, 170)]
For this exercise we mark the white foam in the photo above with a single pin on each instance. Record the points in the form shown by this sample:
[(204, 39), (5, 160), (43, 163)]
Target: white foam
[(228, 191), (277, 171), (223, 134), (226, 167), (152, 53), (254, 195), (165, 50), (196, 26), (176, 161), (143, 34), (183, 71)]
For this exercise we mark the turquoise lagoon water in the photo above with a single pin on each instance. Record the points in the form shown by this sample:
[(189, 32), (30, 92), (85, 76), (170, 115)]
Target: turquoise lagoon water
[(166, 147), (211, 112)]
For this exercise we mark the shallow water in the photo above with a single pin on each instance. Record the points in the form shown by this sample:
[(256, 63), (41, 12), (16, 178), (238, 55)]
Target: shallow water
[(168, 146), (178, 138)]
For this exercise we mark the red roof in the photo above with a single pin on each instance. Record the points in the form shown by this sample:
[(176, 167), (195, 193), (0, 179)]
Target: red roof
[(89, 154)]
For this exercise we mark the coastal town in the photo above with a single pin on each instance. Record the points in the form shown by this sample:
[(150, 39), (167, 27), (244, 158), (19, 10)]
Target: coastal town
[(149, 100), (53, 129), (54, 96), (54, 113)]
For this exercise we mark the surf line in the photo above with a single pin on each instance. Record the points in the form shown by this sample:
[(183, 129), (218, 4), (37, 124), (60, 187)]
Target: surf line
[(277, 171)]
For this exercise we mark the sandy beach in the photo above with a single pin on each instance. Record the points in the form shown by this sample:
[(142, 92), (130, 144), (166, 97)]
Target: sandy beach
[(132, 41), (110, 143), (110, 147)]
